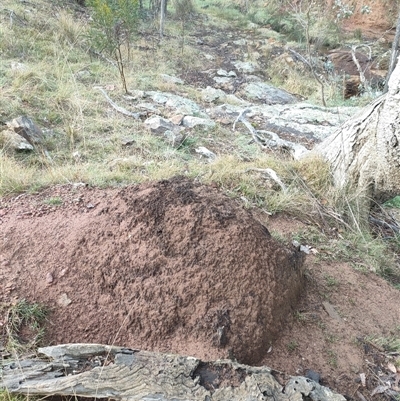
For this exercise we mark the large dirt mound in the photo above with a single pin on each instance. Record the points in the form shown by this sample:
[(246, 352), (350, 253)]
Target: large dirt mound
[(171, 266)]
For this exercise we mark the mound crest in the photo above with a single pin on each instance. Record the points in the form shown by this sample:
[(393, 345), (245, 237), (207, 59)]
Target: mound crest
[(172, 266)]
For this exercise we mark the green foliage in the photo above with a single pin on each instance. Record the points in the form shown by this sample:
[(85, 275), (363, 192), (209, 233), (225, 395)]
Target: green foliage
[(114, 25), (394, 202), (54, 201)]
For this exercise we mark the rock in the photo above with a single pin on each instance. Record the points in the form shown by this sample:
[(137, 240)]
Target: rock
[(211, 95), (240, 42), (191, 122), (159, 125), (209, 57), (222, 80), (171, 79), (177, 119), (159, 98), (295, 120), (26, 128), (15, 66), (63, 300), (223, 73), (267, 93), (205, 152), (180, 104), (10, 139), (246, 66), (174, 139), (49, 278), (148, 107), (298, 388)]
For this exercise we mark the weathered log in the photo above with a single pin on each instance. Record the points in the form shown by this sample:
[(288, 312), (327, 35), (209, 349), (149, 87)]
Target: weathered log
[(102, 371)]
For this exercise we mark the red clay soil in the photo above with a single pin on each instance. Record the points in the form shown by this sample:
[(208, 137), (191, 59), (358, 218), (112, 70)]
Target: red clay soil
[(179, 267), (173, 266)]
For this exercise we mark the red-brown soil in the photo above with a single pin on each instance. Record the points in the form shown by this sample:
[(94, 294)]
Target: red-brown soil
[(172, 266), (179, 267)]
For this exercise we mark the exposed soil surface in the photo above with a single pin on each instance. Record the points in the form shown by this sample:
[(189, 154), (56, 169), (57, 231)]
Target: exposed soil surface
[(179, 267), (172, 266)]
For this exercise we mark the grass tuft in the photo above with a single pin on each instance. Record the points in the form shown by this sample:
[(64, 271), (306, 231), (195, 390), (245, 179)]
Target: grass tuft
[(24, 317)]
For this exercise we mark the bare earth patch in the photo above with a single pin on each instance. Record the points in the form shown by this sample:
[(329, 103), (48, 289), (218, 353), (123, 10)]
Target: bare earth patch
[(179, 267)]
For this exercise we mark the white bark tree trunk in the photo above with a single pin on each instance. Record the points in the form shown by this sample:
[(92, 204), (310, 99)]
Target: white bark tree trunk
[(365, 152)]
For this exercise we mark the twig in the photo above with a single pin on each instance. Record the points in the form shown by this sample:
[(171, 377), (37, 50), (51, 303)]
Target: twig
[(116, 107)]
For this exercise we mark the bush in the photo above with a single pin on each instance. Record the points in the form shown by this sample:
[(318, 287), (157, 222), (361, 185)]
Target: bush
[(114, 24)]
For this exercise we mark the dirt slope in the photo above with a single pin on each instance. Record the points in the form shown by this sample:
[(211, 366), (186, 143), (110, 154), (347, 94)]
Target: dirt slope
[(181, 268), (172, 266)]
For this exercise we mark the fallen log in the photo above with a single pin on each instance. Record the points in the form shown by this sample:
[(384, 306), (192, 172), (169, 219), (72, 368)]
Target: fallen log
[(102, 371)]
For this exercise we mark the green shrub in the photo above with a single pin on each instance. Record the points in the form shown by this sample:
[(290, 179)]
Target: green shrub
[(114, 25)]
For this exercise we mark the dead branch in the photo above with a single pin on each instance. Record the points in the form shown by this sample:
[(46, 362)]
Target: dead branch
[(103, 371), (116, 107), (297, 151), (359, 69)]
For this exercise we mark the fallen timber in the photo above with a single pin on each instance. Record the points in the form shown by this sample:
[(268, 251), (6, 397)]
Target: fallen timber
[(102, 371)]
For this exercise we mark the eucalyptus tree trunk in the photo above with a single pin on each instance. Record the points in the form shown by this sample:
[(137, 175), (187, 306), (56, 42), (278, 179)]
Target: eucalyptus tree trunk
[(394, 54), (365, 152)]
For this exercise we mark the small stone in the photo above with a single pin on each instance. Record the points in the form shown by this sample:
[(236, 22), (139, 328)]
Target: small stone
[(177, 119), (63, 300), (205, 152), (128, 141), (49, 278)]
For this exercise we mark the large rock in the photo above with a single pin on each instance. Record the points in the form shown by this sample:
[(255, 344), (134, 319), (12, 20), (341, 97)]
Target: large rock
[(27, 129), (10, 139), (267, 94), (159, 125), (177, 103), (212, 95), (296, 120)]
